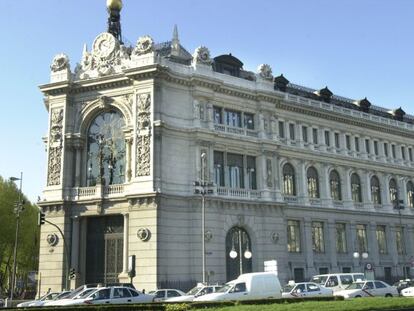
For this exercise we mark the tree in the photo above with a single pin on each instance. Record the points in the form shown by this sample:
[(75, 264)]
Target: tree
[(28, 239)]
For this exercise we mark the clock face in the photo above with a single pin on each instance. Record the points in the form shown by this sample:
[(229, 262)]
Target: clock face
[(104, 45)]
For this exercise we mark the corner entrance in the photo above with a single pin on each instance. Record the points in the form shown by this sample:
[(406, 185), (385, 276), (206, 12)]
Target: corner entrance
[(238, 253), (104, 249)]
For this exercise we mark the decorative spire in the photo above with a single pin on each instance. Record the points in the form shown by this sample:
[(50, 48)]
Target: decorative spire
[(85, 50), (175, 43), (114, 20)]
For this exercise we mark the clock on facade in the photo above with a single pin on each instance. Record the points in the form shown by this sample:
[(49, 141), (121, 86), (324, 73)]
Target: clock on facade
[(104, 45)]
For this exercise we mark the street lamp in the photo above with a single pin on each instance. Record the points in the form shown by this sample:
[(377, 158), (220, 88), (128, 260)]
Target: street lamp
[(399, 205), (17, 210), (202, 187), (247, 253), (361, 256)]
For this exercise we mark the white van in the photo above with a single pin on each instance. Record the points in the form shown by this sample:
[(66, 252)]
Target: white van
[(338, 281), (259, 285)]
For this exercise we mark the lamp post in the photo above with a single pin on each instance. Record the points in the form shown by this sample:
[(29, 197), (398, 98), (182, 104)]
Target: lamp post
[(17, 210), (202, 187), (360, 256)]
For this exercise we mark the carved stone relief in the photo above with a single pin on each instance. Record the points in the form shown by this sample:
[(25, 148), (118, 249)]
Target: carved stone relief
[(143, 139), (269, 173), (55, 147)]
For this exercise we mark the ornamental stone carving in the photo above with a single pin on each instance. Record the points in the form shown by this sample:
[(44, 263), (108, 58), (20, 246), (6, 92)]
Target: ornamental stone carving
[(54, 164), (265, 71), (202, 56), (144, 234), (269, 173), (56, 125), (144, 45), (52, 239), (55, 147), (143, 137), (60, 62)]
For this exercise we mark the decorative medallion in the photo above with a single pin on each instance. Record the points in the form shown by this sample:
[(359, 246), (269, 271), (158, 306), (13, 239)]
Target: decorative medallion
[(274, 236), (144, 234), (202, 55), (60, 62), (265, 71), (52, 239), (208, 235), (104, 45), (144, 45)]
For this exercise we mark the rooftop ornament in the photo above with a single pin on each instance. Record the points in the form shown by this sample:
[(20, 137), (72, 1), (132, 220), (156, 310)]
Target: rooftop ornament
[(364, 104), (398, 114), (325, 94), (280, 83), (114, 19)]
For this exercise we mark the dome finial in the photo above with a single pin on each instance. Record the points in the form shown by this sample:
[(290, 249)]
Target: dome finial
[(114, 5), (114, 20)]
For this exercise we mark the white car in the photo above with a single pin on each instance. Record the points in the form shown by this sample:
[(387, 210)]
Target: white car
[(47, 297), (163, 294), (368, 289), (112, 295), (197, 291), (77, 294), (305, 289), (408, 292)]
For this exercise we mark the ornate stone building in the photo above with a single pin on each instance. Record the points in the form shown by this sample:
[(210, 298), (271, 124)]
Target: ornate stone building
[(298, 175)]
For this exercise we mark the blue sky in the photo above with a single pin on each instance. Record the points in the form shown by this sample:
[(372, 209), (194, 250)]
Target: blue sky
[(357, 48)]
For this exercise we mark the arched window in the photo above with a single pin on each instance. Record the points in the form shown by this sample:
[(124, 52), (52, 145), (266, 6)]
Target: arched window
[(356, 188), (375, 190), (238, 253), (313, 182), (410, 194), (106, 149), (393, 191), (335, 185), (289, 180)]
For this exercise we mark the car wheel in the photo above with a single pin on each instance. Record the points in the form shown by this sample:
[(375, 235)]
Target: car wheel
[(388, 295), (358, 296)]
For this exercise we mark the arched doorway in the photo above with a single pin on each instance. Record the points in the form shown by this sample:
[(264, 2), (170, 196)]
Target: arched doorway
[(238, 253)]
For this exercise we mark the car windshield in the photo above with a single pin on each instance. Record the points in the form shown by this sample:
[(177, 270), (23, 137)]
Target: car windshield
[(194, 291), (62, 295), (86, 293), (319, 279), (225, 288), (288, 288), (355, 286)]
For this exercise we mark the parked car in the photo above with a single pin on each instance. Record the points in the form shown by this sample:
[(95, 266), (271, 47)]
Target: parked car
[(337, 281), (163, 294), (47, 297), (78, 293), (1, 303), (112, 295), (368, 289), (39, 303), (407, 292), (402, 284), (260, 285), (197, 291), (305, 289)]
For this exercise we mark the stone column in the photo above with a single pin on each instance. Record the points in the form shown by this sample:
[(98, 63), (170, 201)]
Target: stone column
[(331, 247), (346, 187), (302, 183), (78, 162), (324, 185), (353, 147), (74, 260), (128, 158), (373, 253), (308, 245), (126, 241), (299, 135), (278, 178), (381, 151), (366, 188), (342, 143), (352, 247), (402, 190)]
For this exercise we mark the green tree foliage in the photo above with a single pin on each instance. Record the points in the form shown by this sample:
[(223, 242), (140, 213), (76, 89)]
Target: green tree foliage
[(28, 239)]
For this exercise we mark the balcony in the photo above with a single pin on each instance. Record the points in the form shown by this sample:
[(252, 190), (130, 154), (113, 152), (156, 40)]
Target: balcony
[(88, 193), (235, 130), (238, 193)]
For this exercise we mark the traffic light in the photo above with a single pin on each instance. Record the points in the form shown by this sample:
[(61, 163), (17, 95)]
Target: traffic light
[(41, 219), (72, 274)]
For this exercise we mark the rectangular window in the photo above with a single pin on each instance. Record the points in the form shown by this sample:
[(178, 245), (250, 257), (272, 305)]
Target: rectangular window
[(249, 121), (327, 140), (251, 172), (361, 232), (393, 151), (233, 118), (386, 149), (399, 236), (410, 154), (293, 236), (305, 133), (357, 144), (348, 142), (315, 136), (367, 149), (281, 129), (337, 144), (235, 171), (219, 168), (217, 115), (375, 147), (381, 239), (403, 152), (292, 131), (341, 237), (323, 270), (317, 237)]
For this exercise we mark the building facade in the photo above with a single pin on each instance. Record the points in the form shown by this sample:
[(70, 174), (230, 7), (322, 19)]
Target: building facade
[(318, 182)]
